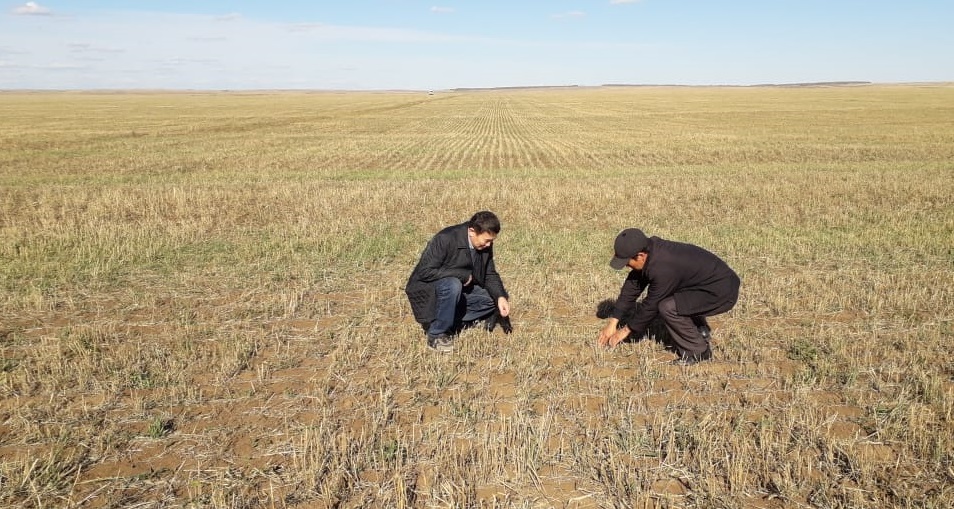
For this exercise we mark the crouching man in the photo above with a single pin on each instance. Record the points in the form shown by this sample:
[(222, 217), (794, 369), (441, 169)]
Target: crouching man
[(684, 284), (455, 283)]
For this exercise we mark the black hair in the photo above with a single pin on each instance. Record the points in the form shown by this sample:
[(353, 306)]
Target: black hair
[(484, 221)]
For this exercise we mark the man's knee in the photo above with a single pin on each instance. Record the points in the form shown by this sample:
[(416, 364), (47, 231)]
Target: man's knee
[(449, 286), (667, 308), (480, 293), (479, 299)]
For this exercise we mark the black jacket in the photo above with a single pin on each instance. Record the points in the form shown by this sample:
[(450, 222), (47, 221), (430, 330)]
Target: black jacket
[(701, 282), (448, 254)]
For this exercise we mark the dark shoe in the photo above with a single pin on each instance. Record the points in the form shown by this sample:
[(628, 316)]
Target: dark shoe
[(505, 325), (687, 359), (490, 323), (495, 319), (706, 333), (441, 343)]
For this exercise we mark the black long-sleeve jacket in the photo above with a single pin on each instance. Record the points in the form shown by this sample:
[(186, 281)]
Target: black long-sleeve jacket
[(448, 254), (699, 280)]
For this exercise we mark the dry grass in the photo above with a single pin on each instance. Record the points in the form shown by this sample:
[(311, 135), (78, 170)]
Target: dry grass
[(202, 299)]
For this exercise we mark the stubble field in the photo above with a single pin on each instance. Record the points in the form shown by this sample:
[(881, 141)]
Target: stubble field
[(201, 299)]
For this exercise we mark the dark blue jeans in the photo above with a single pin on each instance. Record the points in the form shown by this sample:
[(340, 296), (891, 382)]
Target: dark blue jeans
[(456, 305)]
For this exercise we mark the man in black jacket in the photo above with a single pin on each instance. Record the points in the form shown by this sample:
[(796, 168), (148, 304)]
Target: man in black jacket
[(456, 283), (684, 284)]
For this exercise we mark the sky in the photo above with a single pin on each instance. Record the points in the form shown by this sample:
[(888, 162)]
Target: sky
[(445, 44)]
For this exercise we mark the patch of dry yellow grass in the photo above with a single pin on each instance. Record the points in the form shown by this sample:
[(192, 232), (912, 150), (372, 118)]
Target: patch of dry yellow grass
[(202, 299)]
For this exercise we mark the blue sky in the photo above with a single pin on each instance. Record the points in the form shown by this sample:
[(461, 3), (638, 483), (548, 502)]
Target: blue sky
[(441, 44)]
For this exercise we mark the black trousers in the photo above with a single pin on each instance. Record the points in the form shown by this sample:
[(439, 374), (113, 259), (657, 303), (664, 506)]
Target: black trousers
[(684, 330)]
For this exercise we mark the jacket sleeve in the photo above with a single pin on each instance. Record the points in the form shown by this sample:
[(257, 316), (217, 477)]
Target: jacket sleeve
[(663, 285), (433, 261), (492, 282), (630, 291)]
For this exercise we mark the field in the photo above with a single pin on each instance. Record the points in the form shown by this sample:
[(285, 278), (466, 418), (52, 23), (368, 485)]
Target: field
[(201, 299)]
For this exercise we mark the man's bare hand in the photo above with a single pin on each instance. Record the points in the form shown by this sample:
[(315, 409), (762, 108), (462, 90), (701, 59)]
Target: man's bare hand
[(503, 305), (618, 337), (607, 332)]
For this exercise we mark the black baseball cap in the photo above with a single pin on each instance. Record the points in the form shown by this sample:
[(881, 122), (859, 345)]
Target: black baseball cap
[(628, 244)]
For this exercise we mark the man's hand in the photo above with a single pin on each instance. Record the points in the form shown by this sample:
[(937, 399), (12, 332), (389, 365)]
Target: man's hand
[(619, 336), (503, 305), (607, 332), (610, 335)]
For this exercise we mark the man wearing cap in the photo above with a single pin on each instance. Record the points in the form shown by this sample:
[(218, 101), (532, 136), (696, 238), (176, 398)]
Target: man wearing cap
[(455, 282), (684, 284)]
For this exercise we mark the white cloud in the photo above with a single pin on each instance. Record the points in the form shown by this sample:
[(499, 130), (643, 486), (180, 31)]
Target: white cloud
[(179, 62), (208, 38), (6, 50), (32, 9), (85, 47), (119, 50), (322, 31), (570, 14), (60, 66), (232, 16), (442, 10), (305, 27)]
